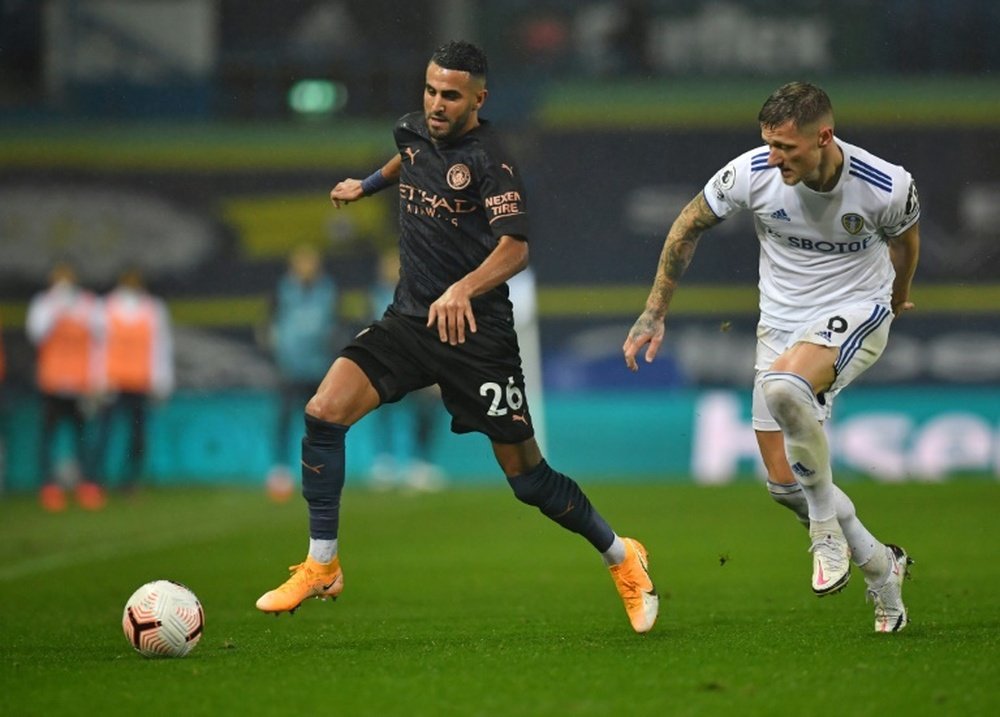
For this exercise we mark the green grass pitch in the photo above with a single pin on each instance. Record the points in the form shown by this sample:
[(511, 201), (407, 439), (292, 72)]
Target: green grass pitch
[(468, 603)]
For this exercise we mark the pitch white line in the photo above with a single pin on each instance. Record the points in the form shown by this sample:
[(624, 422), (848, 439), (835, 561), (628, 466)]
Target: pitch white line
[(92, 553)]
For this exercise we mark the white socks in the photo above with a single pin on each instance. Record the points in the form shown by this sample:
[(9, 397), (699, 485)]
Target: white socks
[(790, 400), (322, 551), (791, 496), (876, 568), (866, 551), (616, 553)]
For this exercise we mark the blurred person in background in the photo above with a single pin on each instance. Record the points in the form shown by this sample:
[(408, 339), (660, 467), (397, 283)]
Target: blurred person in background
[(65, 323), (405, 430), (463, 234), (839, 242), (138, 368), (300, 331)]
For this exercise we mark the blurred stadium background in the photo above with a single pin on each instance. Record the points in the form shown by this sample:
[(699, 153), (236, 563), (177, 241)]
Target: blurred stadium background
[(199, 139)]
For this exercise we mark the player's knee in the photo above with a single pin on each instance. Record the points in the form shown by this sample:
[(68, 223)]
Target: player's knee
[(788, 397), (323, 407)]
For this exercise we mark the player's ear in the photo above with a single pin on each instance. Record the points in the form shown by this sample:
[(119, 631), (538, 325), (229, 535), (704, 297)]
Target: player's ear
[(825, 135), (481, 97)]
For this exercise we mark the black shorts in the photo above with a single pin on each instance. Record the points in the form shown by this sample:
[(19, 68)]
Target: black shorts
[(481, 382)]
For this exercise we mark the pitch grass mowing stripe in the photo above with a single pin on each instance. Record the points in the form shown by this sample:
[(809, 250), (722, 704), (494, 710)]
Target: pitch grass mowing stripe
[(140, 525), (110, 548), (468, 603)]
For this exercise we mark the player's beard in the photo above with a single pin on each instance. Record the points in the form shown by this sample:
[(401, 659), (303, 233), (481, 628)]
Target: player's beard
[(452, 129), (790, 179)]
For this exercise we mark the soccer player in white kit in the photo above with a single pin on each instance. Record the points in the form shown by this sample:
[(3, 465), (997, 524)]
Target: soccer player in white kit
[(839, 242)]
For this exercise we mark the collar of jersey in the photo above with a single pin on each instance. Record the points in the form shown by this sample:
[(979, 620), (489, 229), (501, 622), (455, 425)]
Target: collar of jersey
[(414, 123)]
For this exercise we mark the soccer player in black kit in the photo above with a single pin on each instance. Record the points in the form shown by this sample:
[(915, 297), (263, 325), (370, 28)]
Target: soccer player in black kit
[(464, 232)]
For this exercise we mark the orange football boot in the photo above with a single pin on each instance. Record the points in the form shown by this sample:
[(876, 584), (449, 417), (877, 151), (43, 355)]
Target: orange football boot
[(309, 579), (636, 588)]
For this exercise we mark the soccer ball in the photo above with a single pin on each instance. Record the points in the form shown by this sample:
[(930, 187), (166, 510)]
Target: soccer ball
[(163, 619)]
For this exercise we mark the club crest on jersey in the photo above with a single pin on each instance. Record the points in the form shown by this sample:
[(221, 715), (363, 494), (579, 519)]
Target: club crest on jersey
[(728, 177), (459, 176), (853, 223)]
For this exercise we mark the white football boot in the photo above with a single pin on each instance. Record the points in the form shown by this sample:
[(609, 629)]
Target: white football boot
[(831, 557), (890, 613)]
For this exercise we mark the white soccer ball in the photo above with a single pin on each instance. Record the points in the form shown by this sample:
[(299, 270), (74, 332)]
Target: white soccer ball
[(163, 619)]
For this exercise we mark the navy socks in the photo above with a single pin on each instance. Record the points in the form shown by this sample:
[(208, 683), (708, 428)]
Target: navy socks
[(560, 499), (323, 475)]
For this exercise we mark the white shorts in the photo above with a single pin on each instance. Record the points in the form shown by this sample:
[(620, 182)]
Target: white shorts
[(860, 332)]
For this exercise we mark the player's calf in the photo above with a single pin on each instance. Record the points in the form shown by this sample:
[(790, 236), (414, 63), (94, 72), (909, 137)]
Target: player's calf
[(560, 499)]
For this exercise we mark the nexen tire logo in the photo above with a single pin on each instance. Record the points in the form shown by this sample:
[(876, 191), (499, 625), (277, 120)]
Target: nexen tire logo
[(830, 247)]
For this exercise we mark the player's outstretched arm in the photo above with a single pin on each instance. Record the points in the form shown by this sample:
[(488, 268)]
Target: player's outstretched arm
[(351, 190), (453, 309), (678, 250), (904, 251)]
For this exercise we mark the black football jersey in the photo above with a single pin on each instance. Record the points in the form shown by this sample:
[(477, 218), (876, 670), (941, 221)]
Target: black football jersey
[(456, 200)]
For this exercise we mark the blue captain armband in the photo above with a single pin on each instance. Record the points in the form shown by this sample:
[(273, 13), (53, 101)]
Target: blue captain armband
[(373, 183)]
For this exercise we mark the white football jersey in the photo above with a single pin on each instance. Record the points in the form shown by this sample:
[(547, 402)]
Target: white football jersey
[(819, 250)]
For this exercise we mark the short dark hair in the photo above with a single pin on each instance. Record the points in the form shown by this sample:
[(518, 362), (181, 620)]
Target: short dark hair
[(800, 102), (463, 56)]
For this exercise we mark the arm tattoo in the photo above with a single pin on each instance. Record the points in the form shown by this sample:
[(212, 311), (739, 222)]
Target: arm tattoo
[(678, 250)]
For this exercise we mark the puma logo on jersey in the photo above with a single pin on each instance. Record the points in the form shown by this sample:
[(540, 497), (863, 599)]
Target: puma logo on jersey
[(519, 417), (507, 168)]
